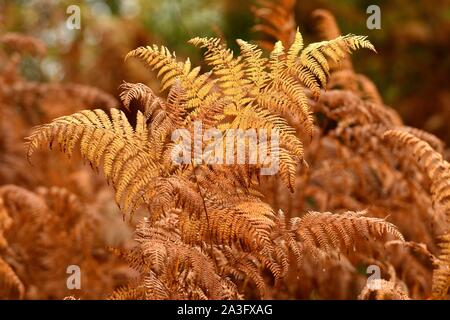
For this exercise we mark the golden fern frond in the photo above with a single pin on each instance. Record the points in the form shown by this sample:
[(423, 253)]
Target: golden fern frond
[(10, 285), (287, 97), (328, 232), (163, 117), (110, 141), (229, 70), (285, 92), (174, 191), (170, 70), (314, 67), (255, 65), (294, 50), (261, 118), (276, 61), (210, 112), (289, 151), (309, 65), (328, 29), (179, 268)]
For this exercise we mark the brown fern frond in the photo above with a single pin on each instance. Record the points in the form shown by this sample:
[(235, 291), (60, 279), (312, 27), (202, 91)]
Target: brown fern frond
[(441, 274), (431, 162), (17, 200), (23, 43), (10, 285), (277, 21), (380, 289), (326, 25), (5, 223), (164, 117), (436, 143), (347, 108), (129, 293), (143, 94), (178, 269), (154, 288), (327, 231)]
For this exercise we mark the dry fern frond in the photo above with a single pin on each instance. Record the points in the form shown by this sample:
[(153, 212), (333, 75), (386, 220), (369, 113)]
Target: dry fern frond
[(207, 234), (5, 223), (277, 21), (154, 288), (329, 232), (143, 94), (431, 162), (171, 268), (107, 140), (170, 70), (128, 293), (44, 101), (380, 289), (314, 67), (10, 285), (437, 169), (441, 274), (325, 24), (436, 143), (247, 91), (52, 229)]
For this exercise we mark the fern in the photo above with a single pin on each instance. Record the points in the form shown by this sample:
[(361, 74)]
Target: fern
[(219, 231), (441, 274), (328, 231), (10, 285), (110, 141)]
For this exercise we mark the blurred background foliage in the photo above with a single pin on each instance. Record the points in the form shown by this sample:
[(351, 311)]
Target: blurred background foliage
[(412, 68)]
